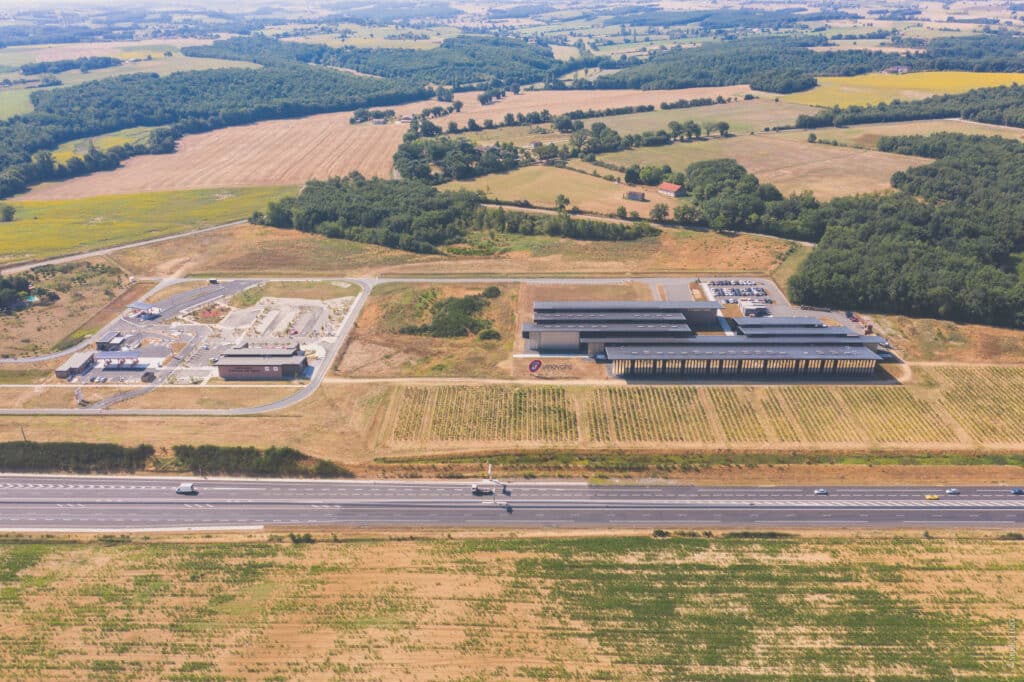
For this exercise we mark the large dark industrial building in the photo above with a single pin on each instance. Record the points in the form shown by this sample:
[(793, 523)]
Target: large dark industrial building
[(691, 339), (287, 362)]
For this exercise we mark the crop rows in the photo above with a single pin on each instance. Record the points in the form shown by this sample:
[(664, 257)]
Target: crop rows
[(988, 402), (595, 415), (785, 430), (487, 413), (893, 415), (659, 414), (820, 414), (411, 405), (737, 414)]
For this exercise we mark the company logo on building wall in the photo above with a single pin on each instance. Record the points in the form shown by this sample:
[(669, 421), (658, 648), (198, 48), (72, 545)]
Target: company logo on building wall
[(535, 366)]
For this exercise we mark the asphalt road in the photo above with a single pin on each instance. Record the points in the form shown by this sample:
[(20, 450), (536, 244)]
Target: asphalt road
[(121, 504)]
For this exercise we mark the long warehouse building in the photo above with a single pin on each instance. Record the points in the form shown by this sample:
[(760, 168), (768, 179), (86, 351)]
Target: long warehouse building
[(691, 339)]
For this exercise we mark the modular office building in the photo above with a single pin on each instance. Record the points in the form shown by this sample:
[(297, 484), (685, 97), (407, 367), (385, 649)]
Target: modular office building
[(690, 339)]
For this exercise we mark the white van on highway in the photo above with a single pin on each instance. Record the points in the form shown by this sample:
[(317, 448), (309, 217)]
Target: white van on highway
[(187, 489)]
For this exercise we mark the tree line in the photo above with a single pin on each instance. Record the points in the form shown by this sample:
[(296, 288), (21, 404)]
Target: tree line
[(787, 64), (459, 61), (83, 64), (413, 216), (1003, 105)]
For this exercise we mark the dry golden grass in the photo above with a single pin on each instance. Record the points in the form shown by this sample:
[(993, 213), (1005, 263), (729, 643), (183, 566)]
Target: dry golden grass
[(254, 251), (562, 101), (378, 349), (569, 605), (919, 339), (867, 136), (793, 165), (84, 306), (216, 397), (286, 152)]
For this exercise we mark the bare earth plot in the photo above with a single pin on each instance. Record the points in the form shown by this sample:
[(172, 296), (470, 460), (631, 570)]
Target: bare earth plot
[(252, 250), (790, 164), (570, 607), (921, 339), (286, 152), (867, 136)]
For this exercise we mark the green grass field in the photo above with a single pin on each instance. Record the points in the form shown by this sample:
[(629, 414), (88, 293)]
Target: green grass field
[(14, 101), (718, 605), (881, 87), (540, 185), (82, 146), (51, 228)]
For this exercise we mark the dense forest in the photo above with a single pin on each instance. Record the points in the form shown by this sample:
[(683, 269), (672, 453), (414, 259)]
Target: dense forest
[(187, 102), (453, 159), (946, 245), (458, 61), (414, 216), (1002, 105), (785, 64)]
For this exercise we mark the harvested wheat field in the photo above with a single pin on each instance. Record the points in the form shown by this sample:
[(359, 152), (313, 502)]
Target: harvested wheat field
[(562, 101), (791, 165), (524, 606), (287, 152)]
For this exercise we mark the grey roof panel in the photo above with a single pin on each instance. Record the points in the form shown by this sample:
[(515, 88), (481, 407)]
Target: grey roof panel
[(796, 331), (257, 362), (746, 352), (585, 327), (801, 321), (558, 306)]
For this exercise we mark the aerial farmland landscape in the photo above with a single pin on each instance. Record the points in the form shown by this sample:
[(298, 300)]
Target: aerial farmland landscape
[(436, 340)]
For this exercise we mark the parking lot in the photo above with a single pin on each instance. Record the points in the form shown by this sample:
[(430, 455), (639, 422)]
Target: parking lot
[(175, 347)]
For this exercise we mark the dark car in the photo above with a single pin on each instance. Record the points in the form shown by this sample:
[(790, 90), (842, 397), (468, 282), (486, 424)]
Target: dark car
[(1017, 491)]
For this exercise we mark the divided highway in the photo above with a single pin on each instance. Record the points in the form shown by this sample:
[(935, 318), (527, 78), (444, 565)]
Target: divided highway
[(119, 504)]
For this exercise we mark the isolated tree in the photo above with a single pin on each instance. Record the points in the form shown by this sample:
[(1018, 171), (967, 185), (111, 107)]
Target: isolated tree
[(621, 212), (676, 127), (6, 213), (561, 202), (659, 212), (632, 175), (458, 105), (453, 127), (723, 128)]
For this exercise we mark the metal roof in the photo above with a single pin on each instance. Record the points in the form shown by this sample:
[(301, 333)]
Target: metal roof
[(746, 352), (117, 355), (610, 316), (260, 352), (801, 339), (257, 362), (628, 306), (595, 327), (663, 338), (141, 305), (797, 331), (802, 321), (77, 360)]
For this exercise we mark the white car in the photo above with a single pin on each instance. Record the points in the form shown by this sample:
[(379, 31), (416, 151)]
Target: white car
[(952, 491), (187, 489), (821, 491)]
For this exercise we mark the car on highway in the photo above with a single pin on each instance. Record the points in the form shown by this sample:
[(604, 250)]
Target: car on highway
[(821, 491), (484, 487), (187, 489), (1017, 491), (931, 497), (952, 491)]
